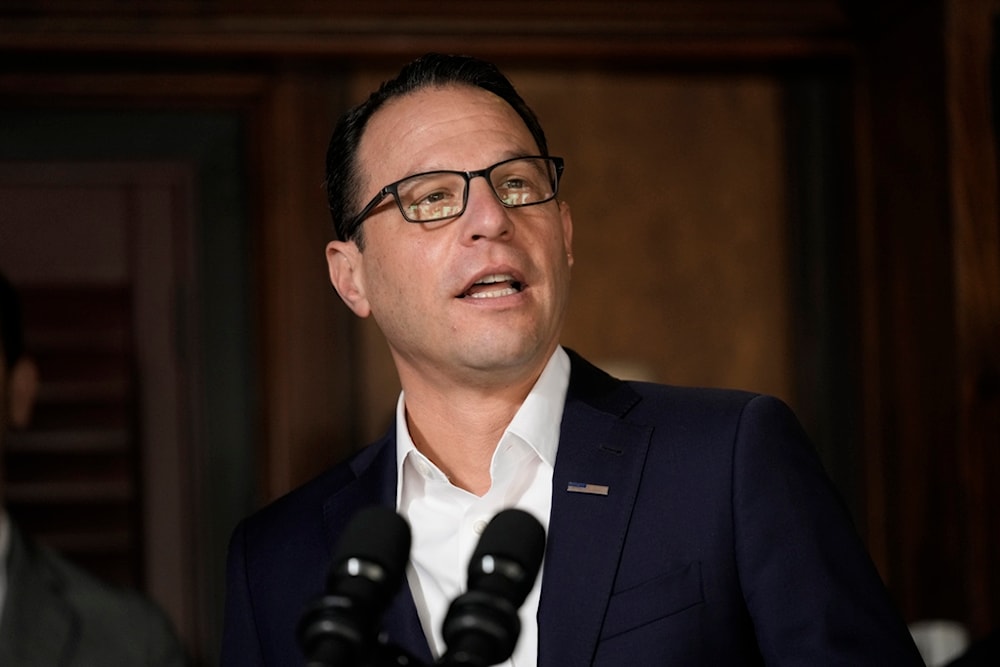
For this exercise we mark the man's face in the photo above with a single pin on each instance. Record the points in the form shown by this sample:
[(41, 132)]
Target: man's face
[(421, 282)]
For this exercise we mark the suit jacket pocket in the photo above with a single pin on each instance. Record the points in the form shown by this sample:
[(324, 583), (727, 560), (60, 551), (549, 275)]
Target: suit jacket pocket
[(667, 594)]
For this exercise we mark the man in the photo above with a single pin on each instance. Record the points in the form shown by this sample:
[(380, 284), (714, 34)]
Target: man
[(685, 527), (53, 614)]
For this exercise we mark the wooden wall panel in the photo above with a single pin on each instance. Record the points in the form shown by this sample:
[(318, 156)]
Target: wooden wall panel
[(931, 303), (305, 350), (388, 30), (970, 44), (681, 270)]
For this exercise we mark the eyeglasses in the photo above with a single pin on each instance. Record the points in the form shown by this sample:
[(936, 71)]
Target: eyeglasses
[(439, 195)]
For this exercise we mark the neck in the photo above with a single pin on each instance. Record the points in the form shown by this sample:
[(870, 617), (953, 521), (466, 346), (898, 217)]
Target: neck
[(459, 428)]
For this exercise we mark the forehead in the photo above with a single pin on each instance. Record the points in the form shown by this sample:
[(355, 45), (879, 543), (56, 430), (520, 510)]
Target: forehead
[(442, 127)]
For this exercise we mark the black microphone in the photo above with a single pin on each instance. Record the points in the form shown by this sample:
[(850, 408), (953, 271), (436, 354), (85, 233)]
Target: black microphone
[(481, 627), (366, 571)]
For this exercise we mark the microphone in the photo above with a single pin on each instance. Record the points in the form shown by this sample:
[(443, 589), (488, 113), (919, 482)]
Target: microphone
[(366, 571), (481, 626)]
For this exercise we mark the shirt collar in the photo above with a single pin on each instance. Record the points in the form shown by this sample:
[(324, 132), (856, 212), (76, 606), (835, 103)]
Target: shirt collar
[(539, 418), (536, 422)]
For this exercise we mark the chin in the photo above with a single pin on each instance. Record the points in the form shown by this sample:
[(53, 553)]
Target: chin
[(496, 354)]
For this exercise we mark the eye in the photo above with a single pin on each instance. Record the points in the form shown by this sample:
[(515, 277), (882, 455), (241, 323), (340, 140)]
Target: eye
[(520, 186), (515, 183), (434, 198), (431, 196)]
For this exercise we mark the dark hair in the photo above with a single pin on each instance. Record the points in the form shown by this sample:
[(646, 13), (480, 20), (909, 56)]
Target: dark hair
[(434, 69), (11, 335)]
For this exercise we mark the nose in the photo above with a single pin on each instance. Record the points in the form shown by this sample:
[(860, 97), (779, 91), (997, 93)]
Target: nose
[(485, 217)]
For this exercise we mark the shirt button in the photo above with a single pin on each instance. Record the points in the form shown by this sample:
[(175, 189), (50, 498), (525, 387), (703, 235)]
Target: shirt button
[(479, 527)]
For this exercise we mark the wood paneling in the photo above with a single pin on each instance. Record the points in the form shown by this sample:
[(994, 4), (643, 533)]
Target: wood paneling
[(970, 46), (719, 30), (306, 346), (930, 288), (681, 262)]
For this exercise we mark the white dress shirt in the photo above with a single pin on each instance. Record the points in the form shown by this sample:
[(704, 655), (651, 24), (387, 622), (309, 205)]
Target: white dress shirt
[(446, 521)]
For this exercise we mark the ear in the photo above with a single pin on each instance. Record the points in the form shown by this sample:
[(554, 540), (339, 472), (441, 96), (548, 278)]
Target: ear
[(22, 385), (346, 265), (567, 224)]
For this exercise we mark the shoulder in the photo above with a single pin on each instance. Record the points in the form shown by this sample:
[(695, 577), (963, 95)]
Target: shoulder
[(737, 412), (113, 622), (714, 424), (285, 513), (278, 556), (656, 402), (307, 520), (94, 597)]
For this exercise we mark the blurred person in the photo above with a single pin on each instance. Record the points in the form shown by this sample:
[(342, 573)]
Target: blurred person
[(684, 526), (52, 613)]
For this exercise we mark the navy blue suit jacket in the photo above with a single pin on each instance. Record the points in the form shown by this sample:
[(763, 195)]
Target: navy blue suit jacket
[(720, 542)]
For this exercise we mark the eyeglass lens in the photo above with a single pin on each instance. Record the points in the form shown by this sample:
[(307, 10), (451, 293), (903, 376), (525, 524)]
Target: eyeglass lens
[(442, 194)]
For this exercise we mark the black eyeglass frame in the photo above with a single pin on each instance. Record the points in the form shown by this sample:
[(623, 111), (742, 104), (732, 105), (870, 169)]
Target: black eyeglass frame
[(393, 189)]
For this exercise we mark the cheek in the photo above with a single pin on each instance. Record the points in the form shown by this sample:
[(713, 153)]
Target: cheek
[(559, 250), (401, 272)]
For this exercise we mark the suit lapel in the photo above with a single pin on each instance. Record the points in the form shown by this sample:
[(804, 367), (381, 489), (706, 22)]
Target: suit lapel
[(38, 627), (375, 484), (587, 529)]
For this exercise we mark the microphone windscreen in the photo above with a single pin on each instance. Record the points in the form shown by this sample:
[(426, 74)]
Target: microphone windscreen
[(371, 557), (509, 554)]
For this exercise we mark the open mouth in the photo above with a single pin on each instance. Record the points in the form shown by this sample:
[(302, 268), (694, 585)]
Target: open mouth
[(493, 287)]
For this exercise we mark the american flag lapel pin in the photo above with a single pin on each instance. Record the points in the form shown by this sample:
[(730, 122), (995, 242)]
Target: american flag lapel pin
[(592, 489)]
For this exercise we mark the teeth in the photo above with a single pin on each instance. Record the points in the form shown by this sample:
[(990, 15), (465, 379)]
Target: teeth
[(504, 282), (495, 278), (494, 294)]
